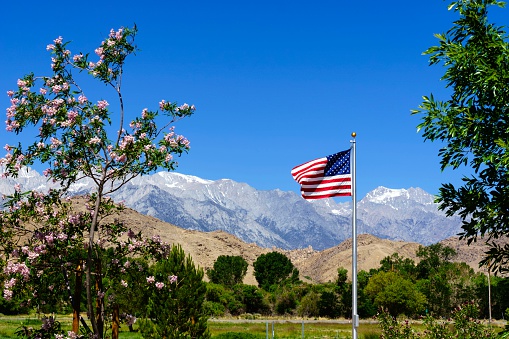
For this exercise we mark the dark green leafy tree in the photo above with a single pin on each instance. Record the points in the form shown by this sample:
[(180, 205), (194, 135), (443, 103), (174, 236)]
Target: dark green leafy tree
[(342, 277), (228, 270), (433, 257), (329, 304), (251, 297), (473, 124), (177, 294), (393, 292), (433, 271), (273, 268), (405, 266)]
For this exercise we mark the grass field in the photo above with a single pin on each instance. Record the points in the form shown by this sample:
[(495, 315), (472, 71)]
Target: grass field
[(281, 329)]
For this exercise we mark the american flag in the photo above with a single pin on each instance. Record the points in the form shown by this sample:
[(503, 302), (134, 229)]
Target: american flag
[(325, 177)]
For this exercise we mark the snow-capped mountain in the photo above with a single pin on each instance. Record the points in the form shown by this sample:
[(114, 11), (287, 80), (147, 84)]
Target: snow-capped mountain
[(271, 218)]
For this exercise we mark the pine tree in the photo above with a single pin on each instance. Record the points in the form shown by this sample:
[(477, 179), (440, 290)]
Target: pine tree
[(177, 292)]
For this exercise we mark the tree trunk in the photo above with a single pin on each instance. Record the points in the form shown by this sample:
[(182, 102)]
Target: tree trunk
[(99, 301), (115, 323), (77, 299)]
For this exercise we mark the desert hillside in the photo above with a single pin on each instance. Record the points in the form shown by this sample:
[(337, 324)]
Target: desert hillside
[(319, 266)]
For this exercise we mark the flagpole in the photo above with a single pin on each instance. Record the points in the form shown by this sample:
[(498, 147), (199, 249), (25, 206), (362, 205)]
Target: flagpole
[(355, 317)]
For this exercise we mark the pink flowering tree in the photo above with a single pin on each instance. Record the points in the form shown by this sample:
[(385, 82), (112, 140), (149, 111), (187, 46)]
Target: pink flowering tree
[(49, 241)]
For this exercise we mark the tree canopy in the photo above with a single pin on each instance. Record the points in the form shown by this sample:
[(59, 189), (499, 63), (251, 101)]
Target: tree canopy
[(473, 124), (228, 270), (273, 268)]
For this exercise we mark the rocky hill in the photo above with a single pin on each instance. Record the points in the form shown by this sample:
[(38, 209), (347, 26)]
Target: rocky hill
[(319, 266)]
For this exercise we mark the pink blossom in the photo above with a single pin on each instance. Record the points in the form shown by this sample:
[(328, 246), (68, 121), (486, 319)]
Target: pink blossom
[(82, 99), (50, 47), (151, 279), (118, 34), (71, 115), (95, 140), (159, 285), (77, 57), (7, 294), (123, 283), (21, 83), (130, 319), (183, 107), (10, 283), (49, 238), (43, 91), (17, 188), (10, 93), (58, 40), (56, 88), (55, 142), (62, 236), (172, 279), (102, 104)]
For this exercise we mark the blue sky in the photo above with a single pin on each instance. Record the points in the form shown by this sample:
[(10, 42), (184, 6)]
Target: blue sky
[(275, 83)]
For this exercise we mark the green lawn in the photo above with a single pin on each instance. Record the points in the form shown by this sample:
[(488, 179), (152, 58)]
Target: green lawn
[(282, 328), (288, 329)]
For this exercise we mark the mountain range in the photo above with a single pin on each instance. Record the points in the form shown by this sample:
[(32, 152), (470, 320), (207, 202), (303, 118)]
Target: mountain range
[(273, 218)]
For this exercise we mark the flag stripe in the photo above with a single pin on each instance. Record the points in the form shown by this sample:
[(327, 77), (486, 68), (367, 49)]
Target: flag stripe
[(316, 184)]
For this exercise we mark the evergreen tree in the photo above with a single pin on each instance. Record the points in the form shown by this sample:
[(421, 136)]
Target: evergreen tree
[(177, 293)]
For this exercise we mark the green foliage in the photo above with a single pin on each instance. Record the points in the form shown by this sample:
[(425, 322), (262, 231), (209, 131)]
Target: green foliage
[(251, 297), (391, 329), (394, 262), (433, 257), (228, 270), (342, 276), (393, 292), (286, 301), (473, 124), (175, 307), (464, 325), (329, 305), (309, 305), (274, 268), (49, 329)]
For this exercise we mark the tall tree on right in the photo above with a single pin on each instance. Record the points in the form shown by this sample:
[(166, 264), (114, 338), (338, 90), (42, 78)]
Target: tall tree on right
[(473, 125)]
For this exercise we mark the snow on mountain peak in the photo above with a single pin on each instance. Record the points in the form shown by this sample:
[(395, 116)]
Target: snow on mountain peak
[(382, 194), (182, 178)]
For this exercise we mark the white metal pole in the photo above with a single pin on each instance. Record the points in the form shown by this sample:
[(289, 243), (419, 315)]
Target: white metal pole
[(355, 317)]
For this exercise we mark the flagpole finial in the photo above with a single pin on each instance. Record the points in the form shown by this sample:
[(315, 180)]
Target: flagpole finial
[(354, 134)]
